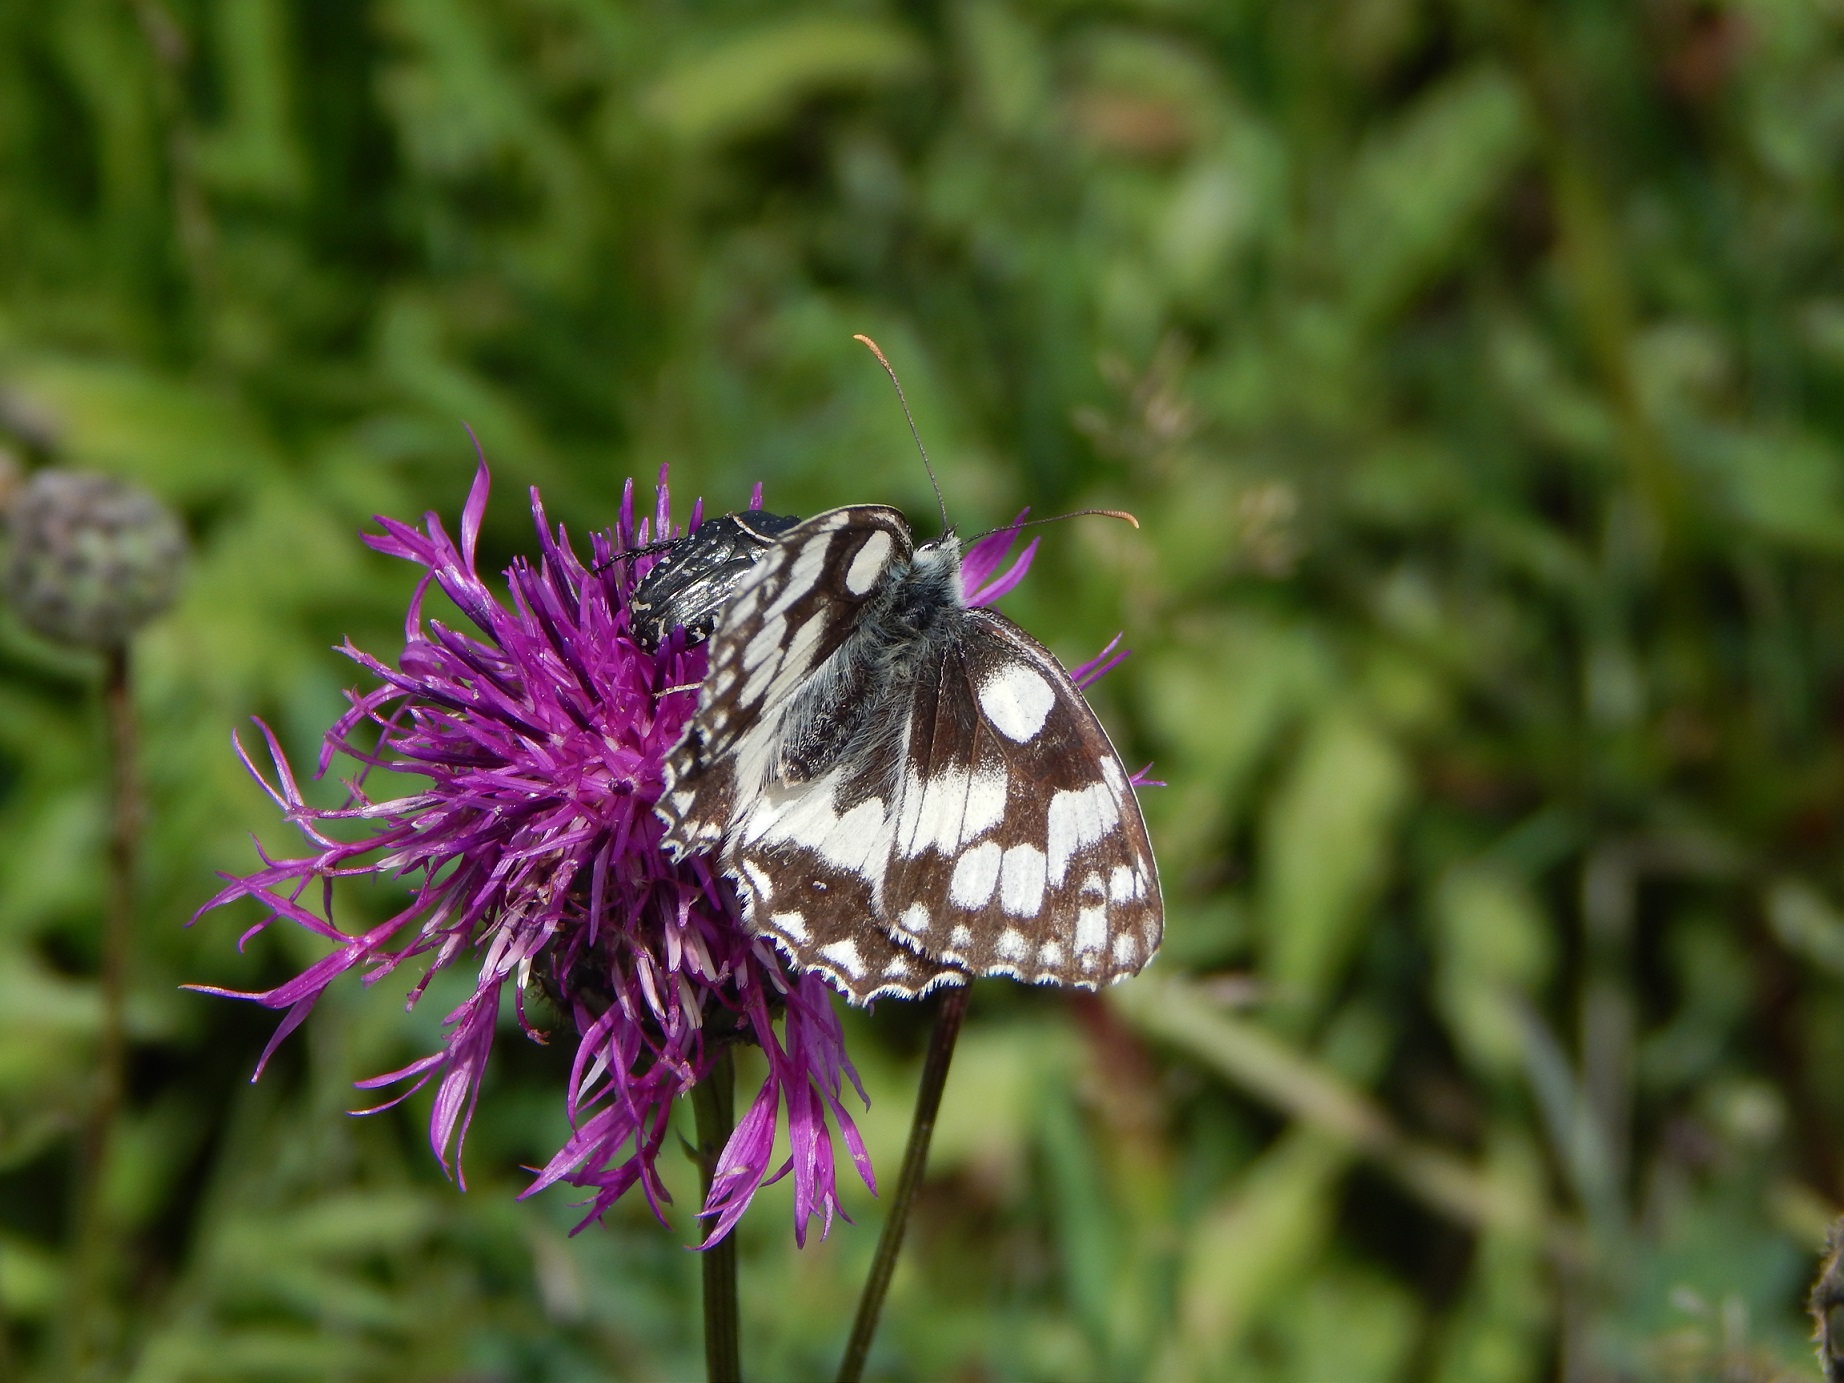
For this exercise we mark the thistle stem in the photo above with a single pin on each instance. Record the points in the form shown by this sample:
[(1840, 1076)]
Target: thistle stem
[(88, 1297), (714, 1108), (915, 1161)]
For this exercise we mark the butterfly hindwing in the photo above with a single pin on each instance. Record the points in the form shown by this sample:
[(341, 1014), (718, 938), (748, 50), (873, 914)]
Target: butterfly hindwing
[(819, 911), (1019, 846)]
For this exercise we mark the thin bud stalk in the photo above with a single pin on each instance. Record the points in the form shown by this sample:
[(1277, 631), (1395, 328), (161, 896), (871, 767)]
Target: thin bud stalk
[(87, 1321)]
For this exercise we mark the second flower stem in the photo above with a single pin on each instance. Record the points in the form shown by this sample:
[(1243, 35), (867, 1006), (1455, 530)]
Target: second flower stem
[(915, 1161), (714, 1108), (87, 1305)]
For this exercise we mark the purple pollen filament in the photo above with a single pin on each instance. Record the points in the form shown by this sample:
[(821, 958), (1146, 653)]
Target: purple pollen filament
[(535, 740), (532, 856), (983, 558)]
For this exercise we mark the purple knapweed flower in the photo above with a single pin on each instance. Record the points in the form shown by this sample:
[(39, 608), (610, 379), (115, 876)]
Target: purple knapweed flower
[(534, 855)]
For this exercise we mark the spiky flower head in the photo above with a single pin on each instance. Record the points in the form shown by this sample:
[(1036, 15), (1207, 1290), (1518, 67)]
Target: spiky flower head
[(536, 741), (90, 558)]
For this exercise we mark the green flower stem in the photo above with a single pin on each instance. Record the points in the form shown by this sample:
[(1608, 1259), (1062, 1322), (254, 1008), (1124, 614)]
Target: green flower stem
[(714, 1108), (88, 1299), (915, 1161)]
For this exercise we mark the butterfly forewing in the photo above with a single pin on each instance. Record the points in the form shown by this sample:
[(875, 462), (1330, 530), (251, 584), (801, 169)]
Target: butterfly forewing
[(789, 615), (906, 791)]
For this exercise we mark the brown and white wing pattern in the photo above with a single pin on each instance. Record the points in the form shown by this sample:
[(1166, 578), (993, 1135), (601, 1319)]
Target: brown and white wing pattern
[(1019, 846), (799, 603), (907, 792)]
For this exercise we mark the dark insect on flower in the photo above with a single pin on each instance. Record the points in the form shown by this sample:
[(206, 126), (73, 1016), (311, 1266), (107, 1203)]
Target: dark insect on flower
[(697, 574), (533, 746)]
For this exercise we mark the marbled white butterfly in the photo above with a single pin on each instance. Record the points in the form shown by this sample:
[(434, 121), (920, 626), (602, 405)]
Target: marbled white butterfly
[(907, 791)]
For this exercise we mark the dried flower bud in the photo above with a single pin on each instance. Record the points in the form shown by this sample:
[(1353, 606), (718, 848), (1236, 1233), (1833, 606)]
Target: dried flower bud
[(91, 558)]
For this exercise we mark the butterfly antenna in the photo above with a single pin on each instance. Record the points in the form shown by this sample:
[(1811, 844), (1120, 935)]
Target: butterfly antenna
[(871, 346), (1120, 514)]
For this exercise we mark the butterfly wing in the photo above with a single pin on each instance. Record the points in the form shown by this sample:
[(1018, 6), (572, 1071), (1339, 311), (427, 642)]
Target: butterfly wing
[(1019, 848)]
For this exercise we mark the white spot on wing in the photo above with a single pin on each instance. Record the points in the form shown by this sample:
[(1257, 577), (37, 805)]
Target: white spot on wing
[(932, 814), (804, 815), (974, 875), (760, 680), (1075, 821), (961, 936), (1091, 929), (844, 954), (1011, 944), (797, 662), (1017, 699), (767, 640), (1021, 888), (862, 573), (1123, 884), (950, 810), (858, 839), (758, 876), (1126, 949), (807, 567), (915, 919), (790, 924), (985, 804), (1050, 953)]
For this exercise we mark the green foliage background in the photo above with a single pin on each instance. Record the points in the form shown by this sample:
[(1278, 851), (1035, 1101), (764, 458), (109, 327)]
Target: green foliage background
[(1476, 370)]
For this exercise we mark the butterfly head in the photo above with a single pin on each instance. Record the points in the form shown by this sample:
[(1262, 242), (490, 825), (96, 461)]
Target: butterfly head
[(920, 597)]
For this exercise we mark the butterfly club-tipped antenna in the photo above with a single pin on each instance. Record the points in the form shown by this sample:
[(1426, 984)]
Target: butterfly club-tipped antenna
[(890, 370), (1120, 514), (873, 348)]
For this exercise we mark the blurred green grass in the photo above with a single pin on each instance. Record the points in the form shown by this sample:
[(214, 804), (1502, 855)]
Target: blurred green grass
[(1475, 370)]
